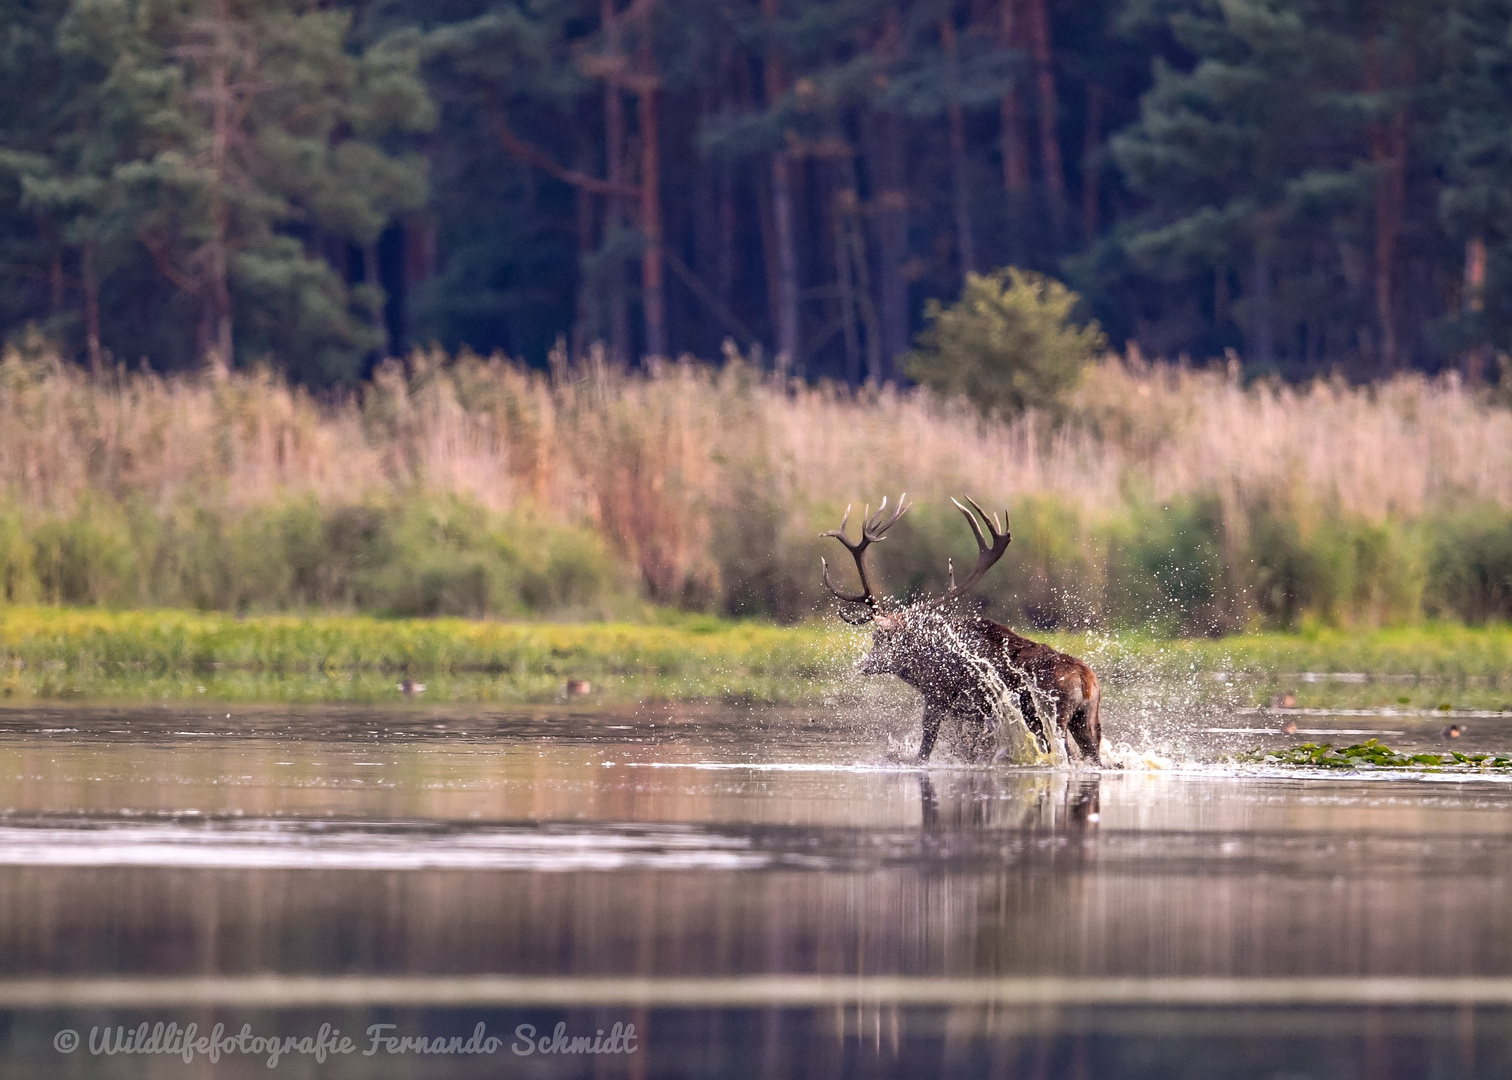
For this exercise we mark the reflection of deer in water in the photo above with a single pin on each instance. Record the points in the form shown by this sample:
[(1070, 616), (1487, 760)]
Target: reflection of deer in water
[(1020, 800), (962, 662)]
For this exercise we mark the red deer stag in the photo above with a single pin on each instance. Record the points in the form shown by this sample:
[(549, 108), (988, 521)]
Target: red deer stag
[(962, 663)]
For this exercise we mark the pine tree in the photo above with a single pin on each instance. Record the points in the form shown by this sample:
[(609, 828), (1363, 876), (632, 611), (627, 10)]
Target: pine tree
[(240, 145), (1477, 200), (1278, 162)]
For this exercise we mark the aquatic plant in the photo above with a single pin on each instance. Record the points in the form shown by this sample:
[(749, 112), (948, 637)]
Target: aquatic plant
[(1371, 754)]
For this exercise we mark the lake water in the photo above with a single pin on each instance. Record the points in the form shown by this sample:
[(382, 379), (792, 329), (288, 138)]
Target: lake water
[(759, 892)]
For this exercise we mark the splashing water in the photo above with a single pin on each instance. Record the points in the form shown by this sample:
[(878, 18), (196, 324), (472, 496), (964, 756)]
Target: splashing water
[(1016, 743), (1157, 711)]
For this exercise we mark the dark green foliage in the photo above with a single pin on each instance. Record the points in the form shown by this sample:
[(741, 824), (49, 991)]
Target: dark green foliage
[(202, 155), (1298, 179)]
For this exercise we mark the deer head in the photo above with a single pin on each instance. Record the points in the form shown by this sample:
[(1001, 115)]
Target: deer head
[(912, 642)]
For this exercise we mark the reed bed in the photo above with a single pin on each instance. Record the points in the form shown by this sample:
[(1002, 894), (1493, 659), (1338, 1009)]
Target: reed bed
[(1166, 494)]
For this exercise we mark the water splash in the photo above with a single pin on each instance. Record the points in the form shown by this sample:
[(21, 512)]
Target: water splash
[(1014, 742)]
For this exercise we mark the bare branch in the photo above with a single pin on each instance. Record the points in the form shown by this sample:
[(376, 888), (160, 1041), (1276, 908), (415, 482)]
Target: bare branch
[(532, 155)]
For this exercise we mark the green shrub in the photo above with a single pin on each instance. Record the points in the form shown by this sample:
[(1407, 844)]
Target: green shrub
[(1174, 568), (88, 557), (1009, 344), (18, 575), (1470, 565), (1366, 573), (1054, 575), (419, 557), (1314, 566), (1166, 569)]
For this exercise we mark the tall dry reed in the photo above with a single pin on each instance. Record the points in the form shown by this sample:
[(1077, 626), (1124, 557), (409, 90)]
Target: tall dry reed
[(656, 462)]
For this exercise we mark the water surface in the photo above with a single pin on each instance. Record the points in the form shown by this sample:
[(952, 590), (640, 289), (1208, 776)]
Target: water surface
[(761, 892)]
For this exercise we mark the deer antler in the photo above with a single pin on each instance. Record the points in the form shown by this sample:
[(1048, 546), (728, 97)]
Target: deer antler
[(873, 526), (987, 553)]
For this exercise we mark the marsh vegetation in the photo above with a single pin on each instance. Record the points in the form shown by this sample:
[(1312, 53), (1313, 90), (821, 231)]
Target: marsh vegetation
[(1165, 500)]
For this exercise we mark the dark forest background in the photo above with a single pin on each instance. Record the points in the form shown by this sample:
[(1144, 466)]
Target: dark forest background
[(1319, 185)]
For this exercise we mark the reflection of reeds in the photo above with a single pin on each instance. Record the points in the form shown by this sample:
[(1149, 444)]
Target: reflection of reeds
[(668, 466)]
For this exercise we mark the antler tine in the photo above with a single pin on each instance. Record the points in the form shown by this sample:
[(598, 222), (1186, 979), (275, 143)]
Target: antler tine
[(858, 598), (839, 534), (976, 530), (873, 526), (991, 521), (987, 553)]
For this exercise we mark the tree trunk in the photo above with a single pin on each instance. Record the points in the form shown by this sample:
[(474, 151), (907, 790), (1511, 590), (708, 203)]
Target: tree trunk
[(965, 246), (615, 212), (220, 215), (729, 220), (890, 220), (843, 201), (890, 210), (764, 222), (90, 274), (1091, 166), (1050, 155), (787, 260), (653, 299), (706, 219), (1388, 154), (584, 322), (1473, 302), (853, 233), (1015, 140), (1263, 326), (724, 277), (869, 320), (786, 307), (55, 276), (379, 313)]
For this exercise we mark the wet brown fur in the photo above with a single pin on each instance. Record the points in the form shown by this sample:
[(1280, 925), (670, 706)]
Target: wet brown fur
[(938, 651), (911, 644)]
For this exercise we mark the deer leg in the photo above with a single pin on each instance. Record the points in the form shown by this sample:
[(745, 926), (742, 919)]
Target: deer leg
[(1085, 732), (1090, 725), (1066, 716), (932, 717), (1030, 711)]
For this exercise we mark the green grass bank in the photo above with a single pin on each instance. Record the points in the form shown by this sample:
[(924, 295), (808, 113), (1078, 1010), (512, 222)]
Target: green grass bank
[(62, 653), (91, 654)]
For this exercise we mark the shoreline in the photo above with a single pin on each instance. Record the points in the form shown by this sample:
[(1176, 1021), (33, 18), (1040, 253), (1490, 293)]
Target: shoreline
[(84, 654)]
